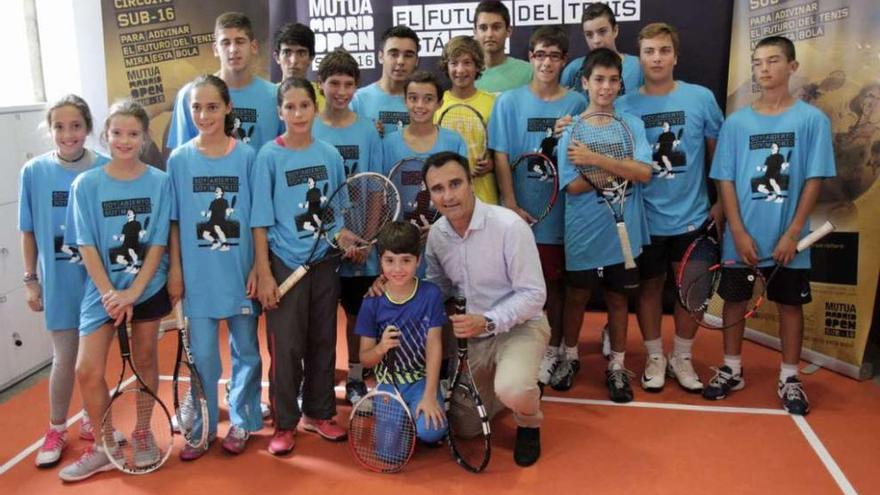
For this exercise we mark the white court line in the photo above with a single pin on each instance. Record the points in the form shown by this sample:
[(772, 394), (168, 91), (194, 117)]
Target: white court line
[(36, 445), (824, 455), (676, 407)]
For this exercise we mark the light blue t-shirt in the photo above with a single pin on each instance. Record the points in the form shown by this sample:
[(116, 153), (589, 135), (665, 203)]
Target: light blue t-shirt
[(676, 125), (212, 205), (632, 79), (254, 108), (44, 187), (361, 150), (394, 149), (769, 158), (290, 188), (522, 123), (591, 239), (372, 103), (122, 219)]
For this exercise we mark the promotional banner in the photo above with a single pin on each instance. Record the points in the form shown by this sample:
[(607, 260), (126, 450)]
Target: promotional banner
[(154, 48), (357, 26), (837, 47)]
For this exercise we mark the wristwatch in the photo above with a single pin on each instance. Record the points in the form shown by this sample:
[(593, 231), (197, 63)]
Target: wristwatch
[(490, 326), (30, 277)]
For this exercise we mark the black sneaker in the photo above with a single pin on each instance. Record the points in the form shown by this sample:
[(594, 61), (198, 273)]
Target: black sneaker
[(563, 376), (794, 399), (355, 390), (528, 446), (617, 381), (723, 383)]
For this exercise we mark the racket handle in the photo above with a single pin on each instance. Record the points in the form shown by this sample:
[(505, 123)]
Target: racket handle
[(293, 279), (178, 315), (628, 261), (825, 229)]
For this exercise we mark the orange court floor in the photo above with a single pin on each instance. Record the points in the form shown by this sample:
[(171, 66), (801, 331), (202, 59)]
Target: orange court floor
[(670, 442)]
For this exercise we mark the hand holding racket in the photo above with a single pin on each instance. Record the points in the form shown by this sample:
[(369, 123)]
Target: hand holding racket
[(362, 205), (381, 432), (469, 433), (594, 138), (190, 401), (742, 287), (136, 429)]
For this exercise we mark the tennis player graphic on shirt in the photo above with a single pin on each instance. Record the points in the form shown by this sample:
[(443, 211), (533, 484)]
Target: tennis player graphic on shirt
[(215, 230), (314, 201), (130, 253), (66, 251), (667, 143), (771, 182), (548, 149)]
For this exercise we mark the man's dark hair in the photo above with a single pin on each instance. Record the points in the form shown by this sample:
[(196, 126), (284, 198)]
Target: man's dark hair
[(295, 33), (782, 42), (440, 159), (399, 238), (400, 32), (597, 10), (549, 36), (493, 7), (601, 57)]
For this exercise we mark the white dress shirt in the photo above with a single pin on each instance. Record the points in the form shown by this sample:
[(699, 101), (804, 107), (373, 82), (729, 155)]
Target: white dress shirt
[(495, 266)]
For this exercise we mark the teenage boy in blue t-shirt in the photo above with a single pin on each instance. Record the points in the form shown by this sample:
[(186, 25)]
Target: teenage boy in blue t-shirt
[(593, 252), (769, 165), (682, 121)]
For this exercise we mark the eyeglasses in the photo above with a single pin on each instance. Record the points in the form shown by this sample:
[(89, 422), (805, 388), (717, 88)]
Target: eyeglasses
[(540, 56)]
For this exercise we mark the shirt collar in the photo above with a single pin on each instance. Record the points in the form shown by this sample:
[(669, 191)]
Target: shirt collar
[(478, 220)]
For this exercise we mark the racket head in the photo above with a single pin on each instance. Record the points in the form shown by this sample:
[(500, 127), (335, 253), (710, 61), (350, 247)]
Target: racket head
[(382, 433), (364, 203), (739, 291), (190, 401), (136, 430), (535, 184), (469, 434), (608, 135), (471, 126), (406, 175), (695, 287)]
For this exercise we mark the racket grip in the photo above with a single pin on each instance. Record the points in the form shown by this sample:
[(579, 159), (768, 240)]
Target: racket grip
[(178, 315), (811, 238), (628, 261), (293, 279)]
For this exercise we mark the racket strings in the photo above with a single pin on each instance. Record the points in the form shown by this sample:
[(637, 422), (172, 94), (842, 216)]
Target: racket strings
[(189, 414), (699, 276), (136, 431), (535, 184), (737, 294), (607, 136), (471, 128), (468, 426), (415, 199), (364, 204)]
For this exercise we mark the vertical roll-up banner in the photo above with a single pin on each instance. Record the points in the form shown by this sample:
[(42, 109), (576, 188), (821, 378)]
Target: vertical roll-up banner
[(153, 48), (838, 47)]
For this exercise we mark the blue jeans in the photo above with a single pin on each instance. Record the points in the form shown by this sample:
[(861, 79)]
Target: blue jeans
[(247, 369), (387, 434)]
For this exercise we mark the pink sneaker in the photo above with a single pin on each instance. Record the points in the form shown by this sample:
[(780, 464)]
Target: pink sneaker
[(53, 444), (190, 453), (327, 428), (86, 430), (282, 442)]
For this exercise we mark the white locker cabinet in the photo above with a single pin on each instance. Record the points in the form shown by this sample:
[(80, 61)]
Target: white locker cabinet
[(25, 345)]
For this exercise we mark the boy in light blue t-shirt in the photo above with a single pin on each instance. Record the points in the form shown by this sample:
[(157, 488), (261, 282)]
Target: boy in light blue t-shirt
[(769, 165)]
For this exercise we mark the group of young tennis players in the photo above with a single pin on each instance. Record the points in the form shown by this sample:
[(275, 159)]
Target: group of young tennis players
[(110, 239)]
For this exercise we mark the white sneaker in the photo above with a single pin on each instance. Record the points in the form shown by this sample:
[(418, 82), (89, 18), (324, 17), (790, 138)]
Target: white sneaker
[(654, 376), (92, 462), (682, 369), (548, 366)]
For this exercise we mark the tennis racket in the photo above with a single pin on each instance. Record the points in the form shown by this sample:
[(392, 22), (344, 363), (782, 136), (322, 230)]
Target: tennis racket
[(362, 205), (607, 135), (136, 429), (381, 431), (470, 125), (190, 402), (734, 282), (536, 184), (470, 449), (704, 252), (406, 175)]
